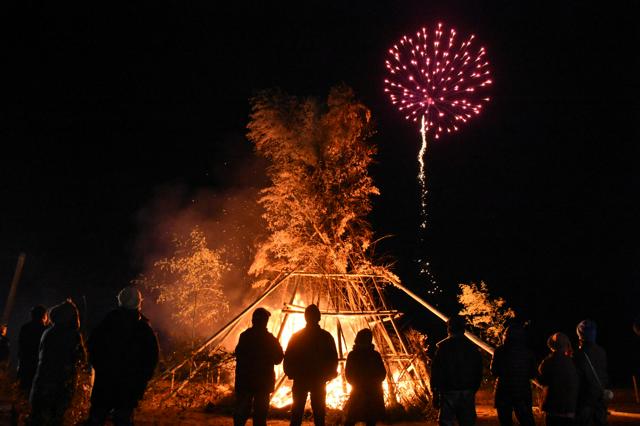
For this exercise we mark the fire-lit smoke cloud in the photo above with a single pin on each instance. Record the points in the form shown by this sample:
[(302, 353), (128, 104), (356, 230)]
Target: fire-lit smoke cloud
[(231, 221)]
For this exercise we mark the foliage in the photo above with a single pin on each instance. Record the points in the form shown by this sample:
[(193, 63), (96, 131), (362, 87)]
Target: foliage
[(189, 281), (316, 205), (485, 313)]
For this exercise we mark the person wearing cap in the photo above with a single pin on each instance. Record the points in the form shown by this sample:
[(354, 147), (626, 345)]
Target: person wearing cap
[(456, 374), (558, 374), (28, 346), (365, 372), (256, 354), (311, 360), (514, 366), (123, 351), (61, 355), (591, 363)]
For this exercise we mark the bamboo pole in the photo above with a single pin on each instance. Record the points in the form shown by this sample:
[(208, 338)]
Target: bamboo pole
[(8, 307), (231, 324), (296, 310), (635, 388), (475, 339)]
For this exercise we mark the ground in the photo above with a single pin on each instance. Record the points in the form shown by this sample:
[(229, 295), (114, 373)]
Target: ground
[(623, 403)]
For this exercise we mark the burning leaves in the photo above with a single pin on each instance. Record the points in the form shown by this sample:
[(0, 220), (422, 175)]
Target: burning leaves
[(484, 312), (316, 205)]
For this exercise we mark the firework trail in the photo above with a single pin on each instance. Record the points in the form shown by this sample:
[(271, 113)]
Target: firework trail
[(436, 81)]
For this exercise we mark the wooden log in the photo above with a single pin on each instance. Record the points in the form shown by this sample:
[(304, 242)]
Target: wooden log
[(475, 339), (8, 307), (288, 310)]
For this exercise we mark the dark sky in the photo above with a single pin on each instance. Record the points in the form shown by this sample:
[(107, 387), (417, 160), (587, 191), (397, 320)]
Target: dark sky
[(104, 105)]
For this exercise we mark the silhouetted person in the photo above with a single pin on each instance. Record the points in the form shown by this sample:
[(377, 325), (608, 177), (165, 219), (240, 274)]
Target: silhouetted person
[(558, 375), (310, 360), (123, 351), (256, 354), (365, 372), (636, 365), (514, 365), (28, 346), (591, 362), (456, 374), (61, 354), (5, 349)]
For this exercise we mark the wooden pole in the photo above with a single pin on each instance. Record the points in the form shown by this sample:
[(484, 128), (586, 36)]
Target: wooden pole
[(475, 339), (231, 324), (8, 307), (635, 389)]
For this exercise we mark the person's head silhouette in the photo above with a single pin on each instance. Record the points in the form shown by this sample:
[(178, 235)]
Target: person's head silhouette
[(260, 318), (312, 314), (364, 337)]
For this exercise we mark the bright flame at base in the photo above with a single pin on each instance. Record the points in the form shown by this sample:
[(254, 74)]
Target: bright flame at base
[(338, 389)]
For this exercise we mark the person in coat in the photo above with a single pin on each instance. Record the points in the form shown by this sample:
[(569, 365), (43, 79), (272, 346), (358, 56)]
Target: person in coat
[(456, 374), (365, 372), (514, 366), (311, 360), (559, 376), (61, 354), (256, 354), (123, 351), (592, 408), (5, 348), (28, 346)]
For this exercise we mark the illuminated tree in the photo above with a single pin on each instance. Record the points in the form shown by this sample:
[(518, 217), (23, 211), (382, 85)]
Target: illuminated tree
[(319, 197), (189, 282), (485, 313)]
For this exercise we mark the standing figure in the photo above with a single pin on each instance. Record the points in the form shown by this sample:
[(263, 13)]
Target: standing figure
[(559, 376), (311, 359), (365, 372), (5, 349), (123, 351), (456, 374), (256, 354), (591, 362), (514, 366), (61, 353), (28, 346)]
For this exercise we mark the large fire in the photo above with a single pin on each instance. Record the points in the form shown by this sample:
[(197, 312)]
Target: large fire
[(343, 328)]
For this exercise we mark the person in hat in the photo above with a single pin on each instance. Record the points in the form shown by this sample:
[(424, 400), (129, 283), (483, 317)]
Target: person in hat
[(256, 354), (61, 354), (28, 346), (456, 374), (123, 351), (591, 362), (311, 360), (365, 372), (559, 376)]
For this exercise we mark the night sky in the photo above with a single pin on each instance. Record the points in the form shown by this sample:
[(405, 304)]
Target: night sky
[(107, 107)]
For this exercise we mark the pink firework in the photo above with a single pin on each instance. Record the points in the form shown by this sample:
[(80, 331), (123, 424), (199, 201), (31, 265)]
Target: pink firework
[(436, 80)]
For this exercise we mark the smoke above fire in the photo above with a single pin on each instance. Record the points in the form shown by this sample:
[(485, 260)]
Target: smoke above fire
[(231, 222)]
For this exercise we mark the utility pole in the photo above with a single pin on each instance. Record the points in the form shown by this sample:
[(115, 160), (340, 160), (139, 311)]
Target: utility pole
[(8, 307)]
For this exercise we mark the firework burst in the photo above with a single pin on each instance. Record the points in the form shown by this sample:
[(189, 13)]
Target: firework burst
[(440, 83), (437, 81)]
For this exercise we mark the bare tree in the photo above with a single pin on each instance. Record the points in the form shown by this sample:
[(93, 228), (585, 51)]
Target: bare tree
[(189, 282)]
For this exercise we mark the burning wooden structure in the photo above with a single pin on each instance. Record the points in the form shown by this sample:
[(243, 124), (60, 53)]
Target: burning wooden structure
[(348, 303), (318, 244)]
